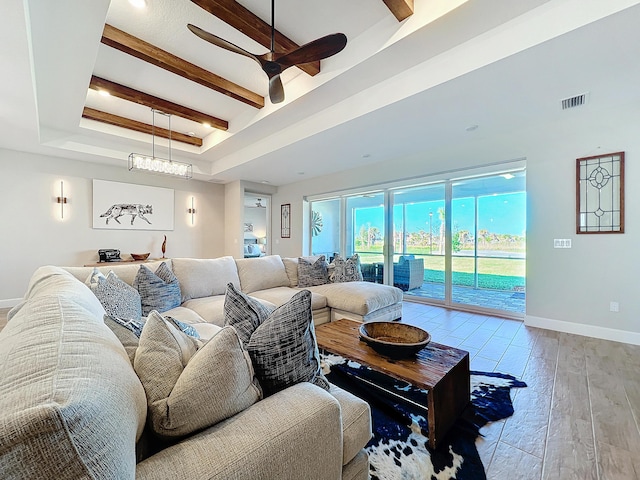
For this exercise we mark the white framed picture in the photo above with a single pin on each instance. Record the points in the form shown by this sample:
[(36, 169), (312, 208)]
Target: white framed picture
[(126, 206)]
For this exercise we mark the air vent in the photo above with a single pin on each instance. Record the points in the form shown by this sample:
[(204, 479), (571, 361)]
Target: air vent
[(576, 101)]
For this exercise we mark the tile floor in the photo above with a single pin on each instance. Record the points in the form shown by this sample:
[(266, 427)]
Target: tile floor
[(577, 419)]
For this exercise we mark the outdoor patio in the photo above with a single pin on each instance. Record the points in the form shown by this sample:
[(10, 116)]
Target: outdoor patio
[(495, 299)]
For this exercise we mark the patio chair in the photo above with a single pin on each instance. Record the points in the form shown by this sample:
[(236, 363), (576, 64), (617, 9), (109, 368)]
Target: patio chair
[(408, 273)]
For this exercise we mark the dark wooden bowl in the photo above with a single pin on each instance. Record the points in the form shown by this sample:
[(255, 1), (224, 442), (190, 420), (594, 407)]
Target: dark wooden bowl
[(394, 339), (140, 256)]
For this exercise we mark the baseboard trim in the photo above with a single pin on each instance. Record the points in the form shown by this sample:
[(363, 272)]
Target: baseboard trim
[(10, 302), (603, 333)]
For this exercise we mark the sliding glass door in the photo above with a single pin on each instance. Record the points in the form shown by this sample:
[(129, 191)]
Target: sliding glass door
[(488, 242), (419, 241), (365, 227), (457, 242)]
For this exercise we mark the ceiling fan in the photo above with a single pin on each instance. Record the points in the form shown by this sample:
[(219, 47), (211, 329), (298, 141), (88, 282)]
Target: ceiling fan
[(258, 204), (274, 63)]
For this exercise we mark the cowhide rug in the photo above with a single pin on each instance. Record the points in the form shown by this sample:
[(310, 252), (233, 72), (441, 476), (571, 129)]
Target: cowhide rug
[(398, 449)]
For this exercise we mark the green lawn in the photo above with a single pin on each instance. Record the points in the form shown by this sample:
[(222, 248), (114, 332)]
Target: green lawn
[(493, 273)]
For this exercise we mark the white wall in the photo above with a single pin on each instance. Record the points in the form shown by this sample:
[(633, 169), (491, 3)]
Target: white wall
[(567, 289), (32, 234)]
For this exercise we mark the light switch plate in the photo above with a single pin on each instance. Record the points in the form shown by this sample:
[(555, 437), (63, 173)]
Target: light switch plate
[(561, 243)]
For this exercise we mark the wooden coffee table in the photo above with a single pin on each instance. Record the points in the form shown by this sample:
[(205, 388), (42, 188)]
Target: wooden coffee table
[(442, 371)]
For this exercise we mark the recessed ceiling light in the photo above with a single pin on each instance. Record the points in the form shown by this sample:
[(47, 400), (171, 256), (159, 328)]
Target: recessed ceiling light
[(366, 155), (191, 134), (206, 125), (138, 3), (265, 181), (300, 173), (507, 176), (104, 93), (471, 128)]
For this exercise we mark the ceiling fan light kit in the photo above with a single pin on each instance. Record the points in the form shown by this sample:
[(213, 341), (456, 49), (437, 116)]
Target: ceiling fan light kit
[(273, 63)]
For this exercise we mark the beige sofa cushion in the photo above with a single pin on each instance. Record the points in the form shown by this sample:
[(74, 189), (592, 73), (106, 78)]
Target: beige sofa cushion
[(211, 309), (261, 273), (188, 390), (291, 267), (293, 435), (358, 297), (281, 295), (356, 422), (185, 315), (205, 277), (71, 405)]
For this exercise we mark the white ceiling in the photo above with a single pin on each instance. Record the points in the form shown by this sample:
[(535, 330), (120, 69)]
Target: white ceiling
[(397, 89)]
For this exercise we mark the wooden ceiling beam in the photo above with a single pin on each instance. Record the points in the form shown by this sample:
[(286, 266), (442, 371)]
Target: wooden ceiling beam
[(234, 14), (118, 121), (156, 103), (138, 48), (400, 8)]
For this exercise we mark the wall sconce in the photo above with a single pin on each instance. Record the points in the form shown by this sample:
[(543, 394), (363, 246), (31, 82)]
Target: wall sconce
[(192, 211), (62, 200)]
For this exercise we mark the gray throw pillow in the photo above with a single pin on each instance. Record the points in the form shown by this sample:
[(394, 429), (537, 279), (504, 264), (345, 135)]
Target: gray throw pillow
[(243, 312), (346, 270), (117, 297), (158, 291), (283, 348), (312, 273), (190, 386)]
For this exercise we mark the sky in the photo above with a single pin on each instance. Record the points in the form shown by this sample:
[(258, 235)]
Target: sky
[(500, 214)]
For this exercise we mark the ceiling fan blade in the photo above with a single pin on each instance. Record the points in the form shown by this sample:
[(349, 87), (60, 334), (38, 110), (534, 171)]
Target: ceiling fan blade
[(220, 42), (276, 91), (315, 50)]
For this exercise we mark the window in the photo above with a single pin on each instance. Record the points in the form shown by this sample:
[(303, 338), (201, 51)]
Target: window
[(475, 258)]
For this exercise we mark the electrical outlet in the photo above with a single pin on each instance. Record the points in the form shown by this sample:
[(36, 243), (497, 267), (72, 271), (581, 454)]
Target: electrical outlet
[(614, 307), (561, 243)]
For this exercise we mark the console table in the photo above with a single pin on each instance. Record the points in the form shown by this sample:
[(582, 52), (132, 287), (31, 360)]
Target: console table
[(105, 264)]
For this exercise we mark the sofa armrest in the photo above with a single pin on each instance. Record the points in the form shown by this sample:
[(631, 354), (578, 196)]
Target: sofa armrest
[(293, 434)]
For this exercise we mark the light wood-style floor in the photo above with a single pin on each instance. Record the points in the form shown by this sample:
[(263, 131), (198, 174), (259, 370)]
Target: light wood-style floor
[(577, 419)]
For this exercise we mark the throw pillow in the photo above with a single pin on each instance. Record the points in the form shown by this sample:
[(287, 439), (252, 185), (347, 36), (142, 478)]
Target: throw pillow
[(158, 291), (312, 273), (190, 386), (346, 270), (283, 348), (184, 327), (117, 297), (243, 312), (127, 331), (93, 279)]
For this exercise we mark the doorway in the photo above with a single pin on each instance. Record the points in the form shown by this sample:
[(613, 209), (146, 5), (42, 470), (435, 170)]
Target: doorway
[(257, 208)]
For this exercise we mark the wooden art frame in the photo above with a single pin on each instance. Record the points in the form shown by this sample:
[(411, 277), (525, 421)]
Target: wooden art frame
[(285, 220), (600, 194)]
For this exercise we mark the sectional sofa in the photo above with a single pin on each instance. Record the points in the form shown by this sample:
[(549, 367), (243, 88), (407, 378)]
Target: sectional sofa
[(271, 279), (73, 407)]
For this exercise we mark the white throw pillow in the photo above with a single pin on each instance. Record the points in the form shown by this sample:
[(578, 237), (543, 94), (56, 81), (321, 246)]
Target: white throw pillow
[(190, 386)]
